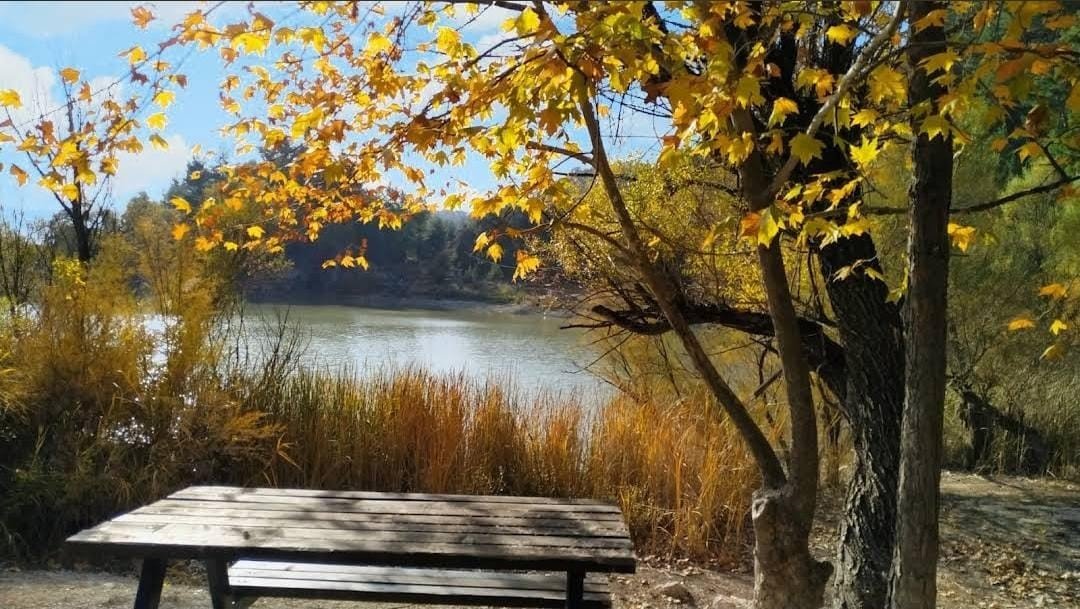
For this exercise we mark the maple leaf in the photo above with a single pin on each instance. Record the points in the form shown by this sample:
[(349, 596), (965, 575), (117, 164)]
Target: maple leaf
[(164, 98), (865, 153), (841, 34), (961, 236), (935, 125), (1053, 352), (141, 17), (527, 22), (934, 18), (1021, 323), (255, 232), (1058, 326), (180, 204), (158, 142), (748, 91), (20, 175), (1055, 291), (157, 120), (179, 230), (805, 148), (135, 54), (526, 264), (782, 107), (940, 62), (9, 98), (69, 75)]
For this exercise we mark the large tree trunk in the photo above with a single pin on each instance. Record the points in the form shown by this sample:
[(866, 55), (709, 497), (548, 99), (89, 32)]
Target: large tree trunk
[(870, 332), (913, 583), (786, 575)]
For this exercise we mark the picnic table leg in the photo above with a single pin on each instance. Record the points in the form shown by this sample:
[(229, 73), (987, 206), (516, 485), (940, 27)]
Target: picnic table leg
[(151, 579), (575, 589), (217, 575)]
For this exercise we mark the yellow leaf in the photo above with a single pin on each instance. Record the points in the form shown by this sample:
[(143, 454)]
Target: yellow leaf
[(158, 142), (70, 191), (864, 117), (805, 147), (1053, 352), (378, 43), (1058, 326), (230, 246), (179, 230), (841, 34), (1021, 323), (748, 225), (782, 107), (9, 98), (767, 228), (253, 43), (181, 205), (495, 252), (940, 62), (748, 91), (255, 232), (327, 264), (203, 244), (447, 40), (527, 22), (931, 19), (525, 264), (69, 75), (157, 120), (194, 175), (887, 83), (961, 236), (865, 153), (135, 54), (1055, 291), (934, 126), (164, 98)]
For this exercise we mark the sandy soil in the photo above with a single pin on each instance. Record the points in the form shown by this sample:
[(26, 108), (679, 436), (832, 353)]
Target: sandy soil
[(1006, 543)]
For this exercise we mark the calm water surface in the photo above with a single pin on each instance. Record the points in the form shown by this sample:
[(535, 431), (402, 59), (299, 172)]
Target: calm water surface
[(480, 343)]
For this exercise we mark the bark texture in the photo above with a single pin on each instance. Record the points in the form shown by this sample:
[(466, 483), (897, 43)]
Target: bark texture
[(786, 575), (870, 332), (913, 583)]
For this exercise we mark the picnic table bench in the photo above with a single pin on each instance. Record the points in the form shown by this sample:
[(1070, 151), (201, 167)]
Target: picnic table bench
[(396, 547)]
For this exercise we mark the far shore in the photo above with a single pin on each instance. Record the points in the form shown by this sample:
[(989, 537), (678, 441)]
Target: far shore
[(423, 303)]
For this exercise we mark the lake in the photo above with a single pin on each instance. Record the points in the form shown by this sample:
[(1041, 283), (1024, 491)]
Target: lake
[(481, 343)]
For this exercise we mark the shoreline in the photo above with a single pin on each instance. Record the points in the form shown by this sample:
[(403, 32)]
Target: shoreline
[(421, 303)]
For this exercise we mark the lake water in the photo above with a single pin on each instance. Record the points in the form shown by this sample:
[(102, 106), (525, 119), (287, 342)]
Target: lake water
[(478, 342)]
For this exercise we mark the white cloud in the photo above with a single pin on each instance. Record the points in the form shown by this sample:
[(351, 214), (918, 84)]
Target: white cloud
[(151, 170), (33, 84)]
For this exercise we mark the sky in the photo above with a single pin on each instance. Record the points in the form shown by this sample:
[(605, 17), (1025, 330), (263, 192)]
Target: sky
[(37, 39)]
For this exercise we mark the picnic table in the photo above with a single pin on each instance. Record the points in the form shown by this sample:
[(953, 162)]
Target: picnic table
[(397, 547)]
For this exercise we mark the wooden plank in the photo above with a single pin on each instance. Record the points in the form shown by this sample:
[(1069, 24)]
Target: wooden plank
[(189, 506), (166, 531), (348, 525), (365, 507), (404, 575), (353, 495), (443, 595), (467, 507), (182, 541)]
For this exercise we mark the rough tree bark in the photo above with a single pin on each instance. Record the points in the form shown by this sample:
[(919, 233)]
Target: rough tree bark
[(913, 578)]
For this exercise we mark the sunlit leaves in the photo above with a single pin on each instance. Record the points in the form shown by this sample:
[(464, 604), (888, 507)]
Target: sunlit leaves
[(886, 83), (164, 98), (157, 120), (135, 55), (69, 75), (842, 33), (865, 153), (1057, 327), (526, 264), (961, 236)]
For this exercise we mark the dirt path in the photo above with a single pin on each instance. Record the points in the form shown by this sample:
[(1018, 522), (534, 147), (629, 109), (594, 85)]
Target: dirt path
[(1007, 543)]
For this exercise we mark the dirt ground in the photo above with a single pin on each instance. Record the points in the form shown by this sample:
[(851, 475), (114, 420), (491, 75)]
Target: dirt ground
[(1006, 543)]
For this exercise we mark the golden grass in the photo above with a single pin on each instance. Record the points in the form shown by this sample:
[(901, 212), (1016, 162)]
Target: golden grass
[(678, 470)]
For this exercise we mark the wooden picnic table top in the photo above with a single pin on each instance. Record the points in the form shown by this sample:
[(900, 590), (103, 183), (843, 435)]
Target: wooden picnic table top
[(353, 527)]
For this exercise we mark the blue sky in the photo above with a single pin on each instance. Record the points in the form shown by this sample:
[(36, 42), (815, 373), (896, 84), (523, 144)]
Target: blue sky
[(39, 38)]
